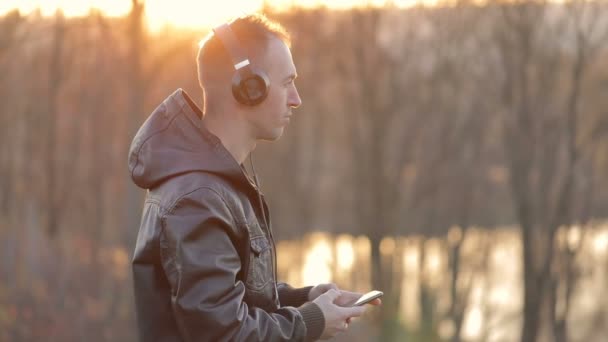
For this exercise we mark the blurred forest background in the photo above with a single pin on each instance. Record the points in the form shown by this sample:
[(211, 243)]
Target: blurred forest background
[(441, 153)]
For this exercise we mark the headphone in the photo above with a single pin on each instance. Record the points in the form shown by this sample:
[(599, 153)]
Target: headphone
[(249, 85)]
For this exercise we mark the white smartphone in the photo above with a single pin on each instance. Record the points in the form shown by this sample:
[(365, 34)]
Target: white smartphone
[(368, 297)]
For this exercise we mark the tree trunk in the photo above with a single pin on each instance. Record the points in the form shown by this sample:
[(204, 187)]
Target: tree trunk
[(532, 293), (136, 108), (54, 82), (457, 306)]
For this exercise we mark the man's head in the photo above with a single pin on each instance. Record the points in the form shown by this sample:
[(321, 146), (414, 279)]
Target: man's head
[(266, 45)]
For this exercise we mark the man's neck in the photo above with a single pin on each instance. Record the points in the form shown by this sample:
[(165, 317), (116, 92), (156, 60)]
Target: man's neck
[(233, 134)]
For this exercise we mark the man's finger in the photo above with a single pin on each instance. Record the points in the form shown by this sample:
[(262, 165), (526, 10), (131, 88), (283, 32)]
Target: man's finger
[(348, 298), (354, 311), (351, 294), (376, 301)]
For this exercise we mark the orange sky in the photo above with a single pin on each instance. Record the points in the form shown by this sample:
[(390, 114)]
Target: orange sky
[(180, 13)]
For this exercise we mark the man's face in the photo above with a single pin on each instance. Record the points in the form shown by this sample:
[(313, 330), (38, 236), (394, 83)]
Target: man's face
[(268, 119)]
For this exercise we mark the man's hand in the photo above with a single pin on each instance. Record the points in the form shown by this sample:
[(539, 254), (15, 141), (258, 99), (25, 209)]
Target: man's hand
[(319, 290), (348, 298), (336, 317)]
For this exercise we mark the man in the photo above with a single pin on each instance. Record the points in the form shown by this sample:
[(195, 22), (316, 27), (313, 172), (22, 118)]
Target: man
[(204, 264)]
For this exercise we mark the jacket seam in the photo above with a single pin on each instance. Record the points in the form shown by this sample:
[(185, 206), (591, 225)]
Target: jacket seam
[(166, 127), (173, 205)]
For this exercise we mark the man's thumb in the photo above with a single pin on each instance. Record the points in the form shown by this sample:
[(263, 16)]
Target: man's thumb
[(332, 286)]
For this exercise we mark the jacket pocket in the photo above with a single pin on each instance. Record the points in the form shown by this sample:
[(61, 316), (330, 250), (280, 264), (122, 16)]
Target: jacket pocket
[(259, 274)]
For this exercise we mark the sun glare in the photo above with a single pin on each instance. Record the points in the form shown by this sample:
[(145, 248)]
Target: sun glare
[(184, 13), (159, 13), (346, 253), (68, 7), (318, 261)]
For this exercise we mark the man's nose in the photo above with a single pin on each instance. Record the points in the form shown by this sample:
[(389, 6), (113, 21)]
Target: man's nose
[(294, 98)]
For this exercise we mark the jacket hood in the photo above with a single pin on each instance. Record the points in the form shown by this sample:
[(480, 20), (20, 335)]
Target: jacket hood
[(173, 141)]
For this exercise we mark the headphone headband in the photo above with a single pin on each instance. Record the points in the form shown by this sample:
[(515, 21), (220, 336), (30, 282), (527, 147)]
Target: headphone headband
[(231, 43)]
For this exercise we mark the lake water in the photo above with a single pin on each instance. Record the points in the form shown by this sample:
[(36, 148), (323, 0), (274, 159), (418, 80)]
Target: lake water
[(491, 271)]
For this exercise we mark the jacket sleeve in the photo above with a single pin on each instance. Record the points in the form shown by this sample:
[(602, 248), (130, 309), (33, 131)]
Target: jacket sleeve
[(289, 296), (201, 264)]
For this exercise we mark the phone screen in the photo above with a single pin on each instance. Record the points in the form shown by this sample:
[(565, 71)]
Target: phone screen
[(368, 297)]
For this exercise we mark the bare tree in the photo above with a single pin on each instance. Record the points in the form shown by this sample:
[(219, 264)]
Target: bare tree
[(136, 86), (541, 137), (589, 30), (56, 77), (375, 106), (9, 38)]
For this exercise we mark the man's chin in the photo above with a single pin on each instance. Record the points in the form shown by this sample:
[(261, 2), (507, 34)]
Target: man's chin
[(271, 139), (272, 136)]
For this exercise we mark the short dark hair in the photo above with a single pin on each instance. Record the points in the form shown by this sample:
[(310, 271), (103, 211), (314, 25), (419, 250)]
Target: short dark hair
[(253, 31)]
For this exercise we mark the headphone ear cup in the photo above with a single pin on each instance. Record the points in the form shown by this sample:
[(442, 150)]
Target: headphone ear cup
[(250, 89), (253, 87)]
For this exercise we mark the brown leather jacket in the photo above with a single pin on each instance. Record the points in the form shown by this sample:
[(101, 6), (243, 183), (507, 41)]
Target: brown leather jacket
[(204, 265)]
